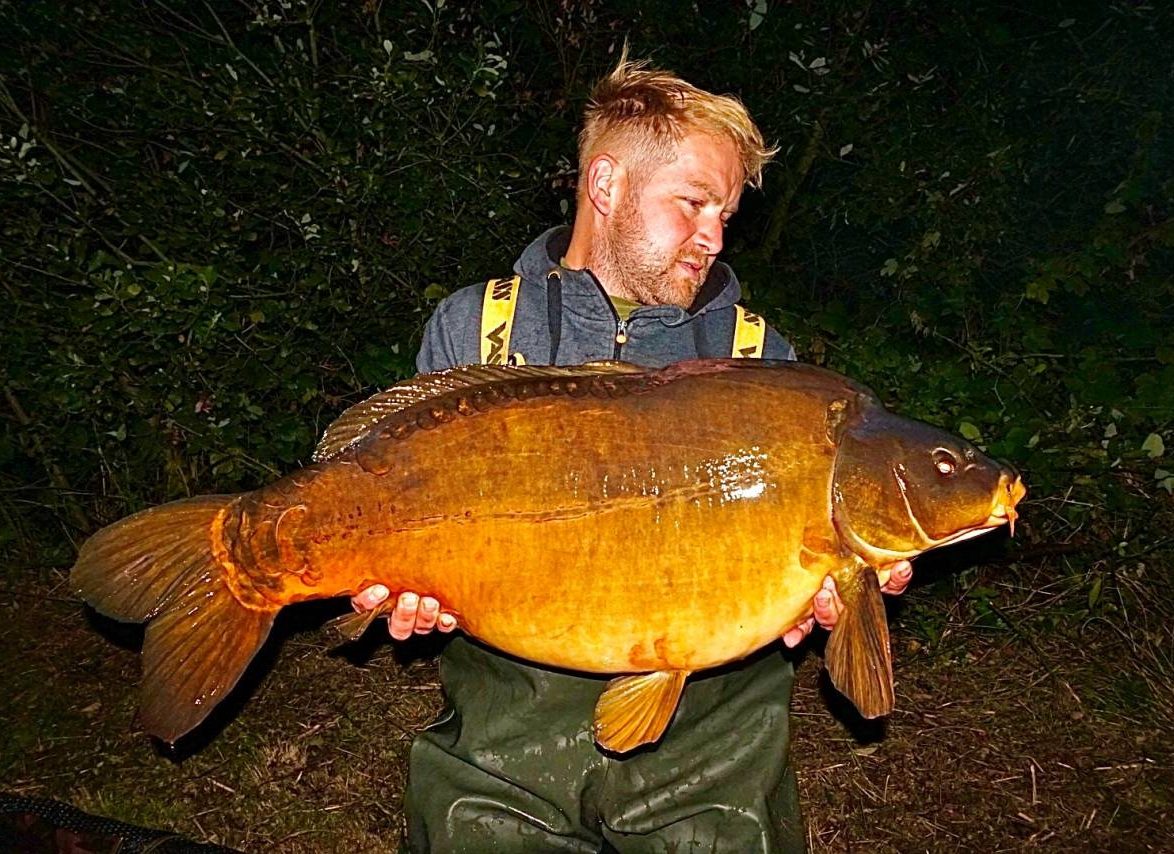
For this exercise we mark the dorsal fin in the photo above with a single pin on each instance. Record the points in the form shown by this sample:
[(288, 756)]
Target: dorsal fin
[(360, 419)]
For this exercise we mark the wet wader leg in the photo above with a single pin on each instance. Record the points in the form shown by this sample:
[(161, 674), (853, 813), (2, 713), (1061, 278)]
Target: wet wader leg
[(721, 780), (512, 767)]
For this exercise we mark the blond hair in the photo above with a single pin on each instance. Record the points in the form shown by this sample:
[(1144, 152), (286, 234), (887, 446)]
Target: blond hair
[(645, 112)]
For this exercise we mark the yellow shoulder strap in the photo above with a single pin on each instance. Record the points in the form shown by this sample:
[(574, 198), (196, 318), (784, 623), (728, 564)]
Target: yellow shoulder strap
[(749, 335), (497, 319)]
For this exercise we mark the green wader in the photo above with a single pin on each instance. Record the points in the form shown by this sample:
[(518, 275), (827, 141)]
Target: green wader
[(511, 765)]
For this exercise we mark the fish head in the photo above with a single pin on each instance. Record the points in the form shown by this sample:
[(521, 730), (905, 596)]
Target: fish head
[(902, 487)]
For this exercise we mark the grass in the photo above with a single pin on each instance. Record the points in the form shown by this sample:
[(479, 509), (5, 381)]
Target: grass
[(996, 745), (1026, 717)]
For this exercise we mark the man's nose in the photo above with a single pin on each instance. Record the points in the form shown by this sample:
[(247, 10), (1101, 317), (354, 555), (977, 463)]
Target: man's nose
[(708, 237)]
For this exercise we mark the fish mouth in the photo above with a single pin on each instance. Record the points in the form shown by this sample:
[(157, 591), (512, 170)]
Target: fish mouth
[(1010, 492), (1007, 496)]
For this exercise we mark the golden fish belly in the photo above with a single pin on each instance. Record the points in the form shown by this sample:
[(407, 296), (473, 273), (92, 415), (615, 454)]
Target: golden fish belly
[(587, 535), (580, 594)]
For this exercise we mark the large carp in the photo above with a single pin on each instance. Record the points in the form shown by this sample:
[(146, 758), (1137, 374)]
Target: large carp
[(601, 518)]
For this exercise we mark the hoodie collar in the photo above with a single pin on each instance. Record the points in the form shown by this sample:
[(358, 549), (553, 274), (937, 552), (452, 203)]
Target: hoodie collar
[(583, 295)]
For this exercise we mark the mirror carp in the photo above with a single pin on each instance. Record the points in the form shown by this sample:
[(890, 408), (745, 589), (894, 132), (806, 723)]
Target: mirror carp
[(602, 518)]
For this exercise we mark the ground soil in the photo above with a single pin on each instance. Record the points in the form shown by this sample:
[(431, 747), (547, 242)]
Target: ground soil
[(999, 742)]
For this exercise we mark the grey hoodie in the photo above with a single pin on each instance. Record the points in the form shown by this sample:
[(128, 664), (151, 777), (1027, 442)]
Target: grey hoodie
[(587, 325)]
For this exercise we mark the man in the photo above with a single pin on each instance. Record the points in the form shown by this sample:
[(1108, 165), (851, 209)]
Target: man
[(511, 765)]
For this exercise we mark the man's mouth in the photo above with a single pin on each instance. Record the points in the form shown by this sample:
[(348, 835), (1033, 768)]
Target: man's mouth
[(695, 269)]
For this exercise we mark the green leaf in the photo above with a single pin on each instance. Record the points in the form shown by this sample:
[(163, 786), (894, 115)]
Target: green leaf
[(1041, 289), (970, 431), (1167, 482), (1153, 445), (1094, 592)]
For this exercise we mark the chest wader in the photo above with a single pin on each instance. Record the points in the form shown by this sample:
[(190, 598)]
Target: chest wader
[(511, 765)]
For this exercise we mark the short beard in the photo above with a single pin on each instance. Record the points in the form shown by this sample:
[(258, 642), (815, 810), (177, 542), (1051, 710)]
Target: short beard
[(620, 258)]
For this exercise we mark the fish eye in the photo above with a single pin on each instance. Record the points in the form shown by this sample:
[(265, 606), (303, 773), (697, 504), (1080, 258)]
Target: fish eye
[(945, 462)]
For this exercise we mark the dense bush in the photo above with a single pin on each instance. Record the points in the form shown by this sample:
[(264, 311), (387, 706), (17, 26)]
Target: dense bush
[(221, 222)]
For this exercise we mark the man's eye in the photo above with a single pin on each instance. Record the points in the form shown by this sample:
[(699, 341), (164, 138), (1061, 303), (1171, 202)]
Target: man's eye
[(696, 204)]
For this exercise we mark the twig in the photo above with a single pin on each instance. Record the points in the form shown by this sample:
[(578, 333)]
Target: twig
[(79, 172), (228, 41), (89, 226), (67, 163), (1032, 553), (40, 597), (781, 211), (76, 515)]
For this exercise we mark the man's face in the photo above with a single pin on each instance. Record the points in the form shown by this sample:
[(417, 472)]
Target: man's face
[(663, 235)]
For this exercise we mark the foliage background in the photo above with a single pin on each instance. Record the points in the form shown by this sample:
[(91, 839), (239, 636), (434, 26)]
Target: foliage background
[(221, 222)]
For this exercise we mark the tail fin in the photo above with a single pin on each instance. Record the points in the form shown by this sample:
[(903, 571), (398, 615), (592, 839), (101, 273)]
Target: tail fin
[(858, 657), (158, 566)]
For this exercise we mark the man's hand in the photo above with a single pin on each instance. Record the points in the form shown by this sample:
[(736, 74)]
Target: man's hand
[(826, 607), (413, 614)]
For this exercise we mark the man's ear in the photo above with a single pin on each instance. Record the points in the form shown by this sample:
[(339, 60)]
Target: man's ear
[(606, 178)]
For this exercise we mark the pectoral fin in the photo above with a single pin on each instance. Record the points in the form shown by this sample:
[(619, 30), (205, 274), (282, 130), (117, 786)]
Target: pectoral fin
[(635, 710), (858, 658)]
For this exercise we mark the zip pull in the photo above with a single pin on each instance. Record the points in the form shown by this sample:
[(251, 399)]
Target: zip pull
[(622, 332)]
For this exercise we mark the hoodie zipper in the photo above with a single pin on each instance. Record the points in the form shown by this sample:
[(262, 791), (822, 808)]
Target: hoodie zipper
[(621, 336)]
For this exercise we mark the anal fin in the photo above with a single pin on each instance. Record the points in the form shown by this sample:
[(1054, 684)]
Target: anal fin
[(350, 627), (636, 710), (858, 657)]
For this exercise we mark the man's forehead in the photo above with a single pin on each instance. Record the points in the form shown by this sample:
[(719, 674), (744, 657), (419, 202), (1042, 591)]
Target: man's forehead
[(706, 165)]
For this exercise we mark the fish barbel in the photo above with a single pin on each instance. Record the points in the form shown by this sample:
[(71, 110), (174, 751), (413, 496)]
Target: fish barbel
[(585, 518)]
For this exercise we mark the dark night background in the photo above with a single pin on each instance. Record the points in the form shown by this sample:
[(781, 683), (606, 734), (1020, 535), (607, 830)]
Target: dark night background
[(223, 222)]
